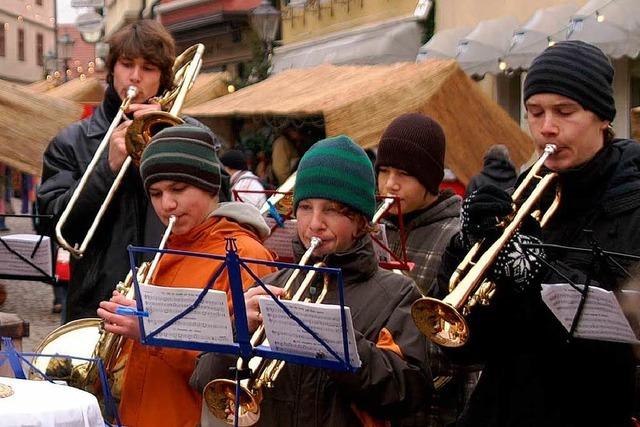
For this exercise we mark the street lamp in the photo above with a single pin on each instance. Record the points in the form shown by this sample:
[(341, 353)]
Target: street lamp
[(65, 47), (265, 20), (50, 62)]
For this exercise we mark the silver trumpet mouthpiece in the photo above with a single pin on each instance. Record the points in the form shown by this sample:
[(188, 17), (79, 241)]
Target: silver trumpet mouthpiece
[(315, 242), (132, 91)]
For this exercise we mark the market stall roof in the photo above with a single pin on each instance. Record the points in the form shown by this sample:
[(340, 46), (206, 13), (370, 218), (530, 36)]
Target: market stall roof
[(360, 101), (207, 86), (86, 91), (28, 121)]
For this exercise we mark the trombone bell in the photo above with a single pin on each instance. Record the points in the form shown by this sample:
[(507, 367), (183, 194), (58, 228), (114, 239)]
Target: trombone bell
[(141, 130)]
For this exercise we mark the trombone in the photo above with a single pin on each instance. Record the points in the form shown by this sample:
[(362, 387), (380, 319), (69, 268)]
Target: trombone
[(219, 394), (443, 321), (186, 67)]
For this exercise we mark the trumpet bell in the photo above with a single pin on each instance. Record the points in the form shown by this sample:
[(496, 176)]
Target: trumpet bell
[(220, 398), (143, 128), (440, 322)]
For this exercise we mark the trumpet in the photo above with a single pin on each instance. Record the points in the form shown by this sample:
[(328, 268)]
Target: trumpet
[(384, 207), (280, 198), (186, 68), (443, 321), (219, 394)]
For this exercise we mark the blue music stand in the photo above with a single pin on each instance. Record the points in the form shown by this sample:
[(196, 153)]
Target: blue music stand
[(233, 265)]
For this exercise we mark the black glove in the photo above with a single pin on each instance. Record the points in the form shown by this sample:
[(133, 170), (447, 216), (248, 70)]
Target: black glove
[(518, 265), (481, 213)]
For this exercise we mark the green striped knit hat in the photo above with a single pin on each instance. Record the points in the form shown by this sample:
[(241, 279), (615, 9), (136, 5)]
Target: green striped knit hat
[(182, 153), (337, 169)]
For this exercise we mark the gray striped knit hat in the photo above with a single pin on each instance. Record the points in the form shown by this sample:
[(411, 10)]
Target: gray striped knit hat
[(337, 169), (577, 70), (182, 153)]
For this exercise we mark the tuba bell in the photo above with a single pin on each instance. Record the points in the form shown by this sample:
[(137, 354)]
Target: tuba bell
[(219, 394), (87, 338), (443, 321)]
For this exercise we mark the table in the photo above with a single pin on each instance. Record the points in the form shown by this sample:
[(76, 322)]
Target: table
[(43, 404)]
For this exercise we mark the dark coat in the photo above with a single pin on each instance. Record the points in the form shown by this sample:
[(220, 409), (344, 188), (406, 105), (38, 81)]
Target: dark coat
[(387, 386), (496, 171), (106, 261), (534, 374)]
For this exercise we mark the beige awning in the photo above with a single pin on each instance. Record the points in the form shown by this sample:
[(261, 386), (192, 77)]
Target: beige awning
[(360, 101), (28, 121)]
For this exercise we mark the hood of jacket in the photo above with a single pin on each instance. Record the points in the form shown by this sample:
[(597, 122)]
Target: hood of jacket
[(244, 214), (499, 169)]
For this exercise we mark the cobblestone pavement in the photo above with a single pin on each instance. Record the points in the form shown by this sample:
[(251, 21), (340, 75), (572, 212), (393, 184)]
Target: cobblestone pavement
[(32, 301)]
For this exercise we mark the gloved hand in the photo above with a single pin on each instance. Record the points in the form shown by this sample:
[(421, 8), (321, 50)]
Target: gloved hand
[(519, 266), (481, 213)]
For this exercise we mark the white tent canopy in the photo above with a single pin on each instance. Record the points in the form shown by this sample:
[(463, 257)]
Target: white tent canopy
[(612, 25), (481, 50), (499, 44), (393, 41), (443, 44), (546, 25)]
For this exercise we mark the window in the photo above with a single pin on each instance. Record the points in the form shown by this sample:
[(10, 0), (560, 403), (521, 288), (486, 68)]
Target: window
[(3, 32), (39, 49), (21, 45), (38, 2)]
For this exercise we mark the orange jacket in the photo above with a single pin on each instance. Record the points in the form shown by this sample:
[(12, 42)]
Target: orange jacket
[(155, 389)]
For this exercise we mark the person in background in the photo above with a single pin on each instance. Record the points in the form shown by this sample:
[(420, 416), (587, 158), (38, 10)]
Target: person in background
[(182, 176), (334, 200), (242, 179), (498, 170), (284, 155)]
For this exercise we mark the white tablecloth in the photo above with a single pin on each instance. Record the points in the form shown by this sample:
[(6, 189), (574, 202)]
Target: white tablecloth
[(43, 404)]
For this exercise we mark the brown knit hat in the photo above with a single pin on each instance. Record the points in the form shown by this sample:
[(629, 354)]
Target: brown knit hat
[(414, 143)]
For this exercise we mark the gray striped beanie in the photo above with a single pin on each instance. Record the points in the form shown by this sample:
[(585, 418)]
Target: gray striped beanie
[(577, 70), (337, 169), (182, 153)]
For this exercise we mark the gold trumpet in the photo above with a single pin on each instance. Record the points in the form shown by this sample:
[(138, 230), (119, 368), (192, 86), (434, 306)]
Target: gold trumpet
[(443, 321), (281, 200), (219, 394), (139, 133)]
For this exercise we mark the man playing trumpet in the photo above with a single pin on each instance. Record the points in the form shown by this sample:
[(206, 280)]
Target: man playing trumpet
[(535, 373)]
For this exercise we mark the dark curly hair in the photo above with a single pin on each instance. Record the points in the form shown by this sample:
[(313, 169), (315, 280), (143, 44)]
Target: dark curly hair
[(146, 39)]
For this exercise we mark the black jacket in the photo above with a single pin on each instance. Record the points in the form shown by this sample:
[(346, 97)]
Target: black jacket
[(534, 374), (387, 386), (497, 171)]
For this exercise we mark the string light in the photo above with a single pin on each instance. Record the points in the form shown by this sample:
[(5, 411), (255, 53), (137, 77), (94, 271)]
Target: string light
[(231, 88), (599, 17), (502, 65)]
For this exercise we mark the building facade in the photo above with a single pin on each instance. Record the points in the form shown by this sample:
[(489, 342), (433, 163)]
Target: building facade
[(27, 33)]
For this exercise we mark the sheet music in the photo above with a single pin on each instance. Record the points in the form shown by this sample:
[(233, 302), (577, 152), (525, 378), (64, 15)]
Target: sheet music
[(381, 235), (24, 245), (601, 319), (209, 323), (285, 335), (281, 237)]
